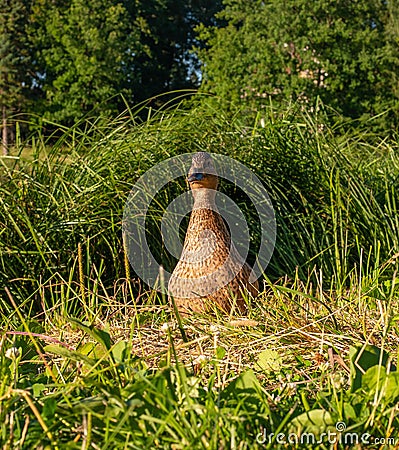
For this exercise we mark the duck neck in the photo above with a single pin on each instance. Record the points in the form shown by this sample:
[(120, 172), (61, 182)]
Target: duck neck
[(204, 199)]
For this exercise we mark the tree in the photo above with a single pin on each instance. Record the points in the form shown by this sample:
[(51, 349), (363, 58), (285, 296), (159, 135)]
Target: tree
[(169, 62), (85, 52), (14, 62), (91, 51), (342, 51)]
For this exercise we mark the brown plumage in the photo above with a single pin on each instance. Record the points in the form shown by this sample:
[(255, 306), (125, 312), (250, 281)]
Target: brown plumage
[(210, 272)]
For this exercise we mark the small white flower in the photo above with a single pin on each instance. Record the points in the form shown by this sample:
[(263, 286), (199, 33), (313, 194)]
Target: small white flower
[(338, 381), (12, 353), (165, 327), (200, 359), (215, 331)]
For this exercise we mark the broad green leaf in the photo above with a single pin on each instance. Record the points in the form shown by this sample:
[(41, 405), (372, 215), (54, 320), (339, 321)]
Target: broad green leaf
[(269, 361), (392, 387), (349, 411), (119, 351), (315, 421), (49, 407), (245, 382), (376, 378), (100, 336), (220, 353), (362, 358), (93, 350), (37, 389)]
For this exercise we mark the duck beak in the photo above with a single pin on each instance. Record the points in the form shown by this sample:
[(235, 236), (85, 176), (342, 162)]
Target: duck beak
[(195, 177)]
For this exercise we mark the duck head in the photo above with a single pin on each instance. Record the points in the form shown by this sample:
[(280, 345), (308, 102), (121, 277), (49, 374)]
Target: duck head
[(202, 173)]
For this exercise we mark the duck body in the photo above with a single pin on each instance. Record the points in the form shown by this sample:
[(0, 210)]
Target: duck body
[(210, 273)]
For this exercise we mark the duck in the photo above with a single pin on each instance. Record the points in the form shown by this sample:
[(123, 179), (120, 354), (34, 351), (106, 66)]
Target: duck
[(210, 274)]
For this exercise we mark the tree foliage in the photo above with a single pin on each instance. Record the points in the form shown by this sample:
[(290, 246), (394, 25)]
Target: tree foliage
[(167, 32), (60, 59), (85, 50), (14, 61), (345, 52), (76, 55), (90, 51)]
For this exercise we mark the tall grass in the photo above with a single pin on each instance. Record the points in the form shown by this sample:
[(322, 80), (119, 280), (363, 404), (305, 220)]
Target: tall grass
[(335, 194)]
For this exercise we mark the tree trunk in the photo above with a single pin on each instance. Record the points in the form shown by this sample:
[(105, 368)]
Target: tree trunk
[(4, 141)]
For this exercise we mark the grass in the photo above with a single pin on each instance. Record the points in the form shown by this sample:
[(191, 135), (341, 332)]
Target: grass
[(91, 359)]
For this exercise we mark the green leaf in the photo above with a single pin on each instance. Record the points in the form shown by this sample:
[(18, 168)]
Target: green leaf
[(373, 379), (246, 382), (269, 361), (70, 355), (100, 336), (58, 350), (392, 387), (220, 352), (49, 407), (349, 411), (119, 351), (376, 378), (37, 389), (315, 421), (93, 350), (362, 358)]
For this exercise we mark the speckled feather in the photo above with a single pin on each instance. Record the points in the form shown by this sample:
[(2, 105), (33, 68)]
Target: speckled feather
[(210, 272)]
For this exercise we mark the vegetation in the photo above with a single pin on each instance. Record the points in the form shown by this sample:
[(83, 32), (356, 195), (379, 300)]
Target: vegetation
[(14, 62), (345, 53), (59, 60), (90, 358), (57, 64), (303, 94)]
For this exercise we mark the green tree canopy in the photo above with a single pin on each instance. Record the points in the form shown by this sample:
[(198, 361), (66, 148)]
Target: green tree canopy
[(14, 61), (345, 52), (167, 31), (88, 51), (85, 52)]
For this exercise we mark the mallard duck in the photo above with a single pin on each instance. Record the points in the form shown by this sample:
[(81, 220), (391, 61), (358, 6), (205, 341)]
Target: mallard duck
[(210, 273)]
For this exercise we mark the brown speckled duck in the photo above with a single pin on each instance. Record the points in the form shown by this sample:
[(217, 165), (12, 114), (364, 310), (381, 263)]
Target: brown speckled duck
[(210, 272)]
